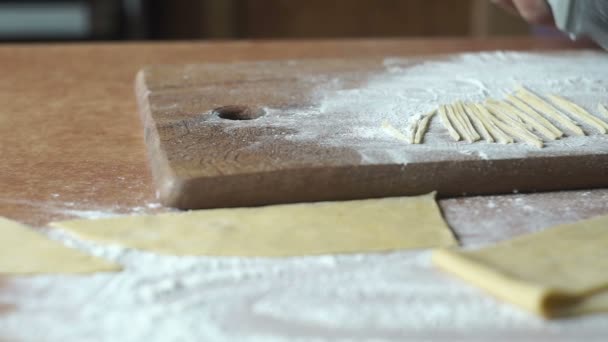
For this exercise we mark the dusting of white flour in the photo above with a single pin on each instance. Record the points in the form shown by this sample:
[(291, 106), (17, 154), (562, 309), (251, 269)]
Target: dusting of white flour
[(394, 296), (353, 118), (405, 92)]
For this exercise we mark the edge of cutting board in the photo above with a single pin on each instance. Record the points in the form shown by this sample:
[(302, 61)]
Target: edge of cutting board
[(346, 182)]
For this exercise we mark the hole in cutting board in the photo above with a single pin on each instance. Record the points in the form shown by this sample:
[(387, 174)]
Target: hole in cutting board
[(237, 112)]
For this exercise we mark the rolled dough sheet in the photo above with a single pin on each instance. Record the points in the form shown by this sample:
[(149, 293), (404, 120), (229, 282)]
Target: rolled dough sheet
[(23, 251), (280, 230), (560, 271)]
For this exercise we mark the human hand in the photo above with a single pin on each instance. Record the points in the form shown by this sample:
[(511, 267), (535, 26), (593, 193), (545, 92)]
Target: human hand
[(533, 11)]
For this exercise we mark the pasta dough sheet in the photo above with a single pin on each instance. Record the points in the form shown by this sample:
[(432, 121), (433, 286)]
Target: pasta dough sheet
[(561, 271), (280, 230), (23, 251)]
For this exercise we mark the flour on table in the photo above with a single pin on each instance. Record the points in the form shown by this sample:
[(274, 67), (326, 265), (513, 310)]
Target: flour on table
[(398, 296), (395, 296)]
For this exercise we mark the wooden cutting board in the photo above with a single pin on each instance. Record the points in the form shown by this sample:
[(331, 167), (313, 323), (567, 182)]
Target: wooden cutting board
[(247, 134)]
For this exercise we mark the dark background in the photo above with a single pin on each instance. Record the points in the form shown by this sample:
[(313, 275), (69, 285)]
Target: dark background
[(61, 20)]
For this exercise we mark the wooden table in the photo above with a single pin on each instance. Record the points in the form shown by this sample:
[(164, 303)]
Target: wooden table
[(72, 146)]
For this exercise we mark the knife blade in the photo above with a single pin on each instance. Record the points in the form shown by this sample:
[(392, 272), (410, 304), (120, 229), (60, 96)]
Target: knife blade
[(588, 18)]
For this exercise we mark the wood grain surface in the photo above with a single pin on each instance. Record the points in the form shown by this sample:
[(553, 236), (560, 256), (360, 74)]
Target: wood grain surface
[(202, 158), (71, 139), (72, 146)]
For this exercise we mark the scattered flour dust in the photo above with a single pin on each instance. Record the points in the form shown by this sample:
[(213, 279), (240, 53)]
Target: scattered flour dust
[(395, 296), (406, 92), (382, 296), (403, 92)]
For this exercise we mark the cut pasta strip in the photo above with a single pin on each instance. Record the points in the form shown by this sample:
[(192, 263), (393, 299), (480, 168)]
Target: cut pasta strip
[(497, 106), (459, 108), (411, 130), (522, 115), (602, 109), (518, 132), (531, 122), (525, 108), (486, 118), (521, 134), (545, 107), (501, 114), (559, 271), (306, 229), (423, 125), (579, 112), (395, 133), (472, 113), (458, 122), (443, 114)]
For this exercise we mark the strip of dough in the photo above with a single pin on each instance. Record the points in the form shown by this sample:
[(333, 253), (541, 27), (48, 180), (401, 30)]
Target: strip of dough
[(458, 122), (520, 133), (547, 129), (507, 117), (515, 128), (459, 108), (560, 271), (497, 106), (524, 107), (395, 133), (24, 251), (443, 114), (471, 111), (280, 230), (486, 118), (422, 127), (412, 130), (602, 109), (545, 107), (579, 112)]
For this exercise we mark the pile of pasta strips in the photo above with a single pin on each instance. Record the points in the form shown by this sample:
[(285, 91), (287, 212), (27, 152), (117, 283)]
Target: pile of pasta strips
[(523, 115)]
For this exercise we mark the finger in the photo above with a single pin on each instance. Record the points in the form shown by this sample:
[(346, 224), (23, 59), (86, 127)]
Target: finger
[(534, 11), (507, 5)]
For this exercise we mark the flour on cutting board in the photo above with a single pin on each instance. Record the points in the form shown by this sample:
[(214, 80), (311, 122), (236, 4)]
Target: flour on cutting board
[(398, 96), (377, 296)]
